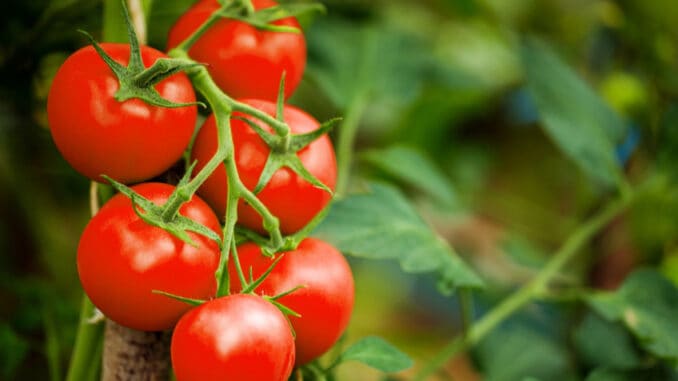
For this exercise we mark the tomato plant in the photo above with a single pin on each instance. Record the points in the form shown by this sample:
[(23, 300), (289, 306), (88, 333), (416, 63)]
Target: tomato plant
[(122, 260), (244, 61), (129, 141), (324, 301), (294, 200), (237, 337)]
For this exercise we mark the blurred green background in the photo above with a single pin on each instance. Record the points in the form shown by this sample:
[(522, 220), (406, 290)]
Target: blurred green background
[(439, 85)]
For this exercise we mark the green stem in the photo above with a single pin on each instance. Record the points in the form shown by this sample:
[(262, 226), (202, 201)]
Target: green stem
[(531, 290), (195, 36), (465, 296), (346, 137), (281, 128), (87, 343)]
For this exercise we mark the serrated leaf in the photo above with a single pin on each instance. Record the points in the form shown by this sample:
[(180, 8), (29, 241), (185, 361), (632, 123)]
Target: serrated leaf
[(414, 168), (647, 304), (573, 115), (603, 343), (382, 224), (377, 353)]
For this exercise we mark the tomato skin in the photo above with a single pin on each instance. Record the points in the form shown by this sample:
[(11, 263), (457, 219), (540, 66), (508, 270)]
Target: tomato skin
[(325, 302), (288, 196), (244, 61), (121, 260), (129, 141), (236, 337)]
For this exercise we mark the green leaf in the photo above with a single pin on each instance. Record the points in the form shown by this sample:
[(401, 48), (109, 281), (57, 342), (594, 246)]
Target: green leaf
[(377, 353), (381, 224), (647, 304), (13, 350), (603, 343), (522, 349), (573, 115), (413, 167), (657, 373), (162, 16)]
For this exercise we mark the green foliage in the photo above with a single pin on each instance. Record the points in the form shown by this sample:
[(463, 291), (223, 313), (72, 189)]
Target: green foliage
[(578, 121), (381, 224), (415, 169), (605, 344), (376, 353), (647, 304)]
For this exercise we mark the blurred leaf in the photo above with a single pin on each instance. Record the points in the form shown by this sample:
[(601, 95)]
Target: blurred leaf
[(668, 142), (647, 304), (575, 117), (382, 224), (350, 58), (52, 346), (377, 353), (162, 16), (651, 374), (13, 350), (415, 168), (602, 343), (520, 351)]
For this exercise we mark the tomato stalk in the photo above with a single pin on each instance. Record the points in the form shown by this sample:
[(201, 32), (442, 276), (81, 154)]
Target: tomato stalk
[(533, 289)]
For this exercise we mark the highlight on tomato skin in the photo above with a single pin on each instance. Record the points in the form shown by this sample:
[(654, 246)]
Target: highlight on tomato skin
[(258, 57), (129, 141), (324, 301), (288, 196), (236, 337), (121, 260)]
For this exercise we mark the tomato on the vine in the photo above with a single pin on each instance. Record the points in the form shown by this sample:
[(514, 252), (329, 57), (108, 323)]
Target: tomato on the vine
[(244, 61), (236, 337), (122, 259), (324, 301), (287, 195), (129, 141)]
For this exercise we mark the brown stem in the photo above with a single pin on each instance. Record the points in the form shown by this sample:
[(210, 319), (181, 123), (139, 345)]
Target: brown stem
[(131, 355)]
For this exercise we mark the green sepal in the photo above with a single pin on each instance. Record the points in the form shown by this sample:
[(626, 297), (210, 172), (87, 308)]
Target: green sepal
[(280, 102), (136, 81), (290, 291), (263, 18), (193, 302), (281, 156), (151, 213), (284, 309), (254, 283)]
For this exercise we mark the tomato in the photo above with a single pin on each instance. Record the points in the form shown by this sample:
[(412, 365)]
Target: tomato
[(288, 196), (244, 61), (236, 337), (122, 259), (129, 141), (326, 300)]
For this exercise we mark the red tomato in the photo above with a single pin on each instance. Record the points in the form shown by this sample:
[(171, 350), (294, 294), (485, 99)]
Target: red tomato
[(122, 259), (325, 302), (237, 337), (288, 196), (243, 60), (129, 141)]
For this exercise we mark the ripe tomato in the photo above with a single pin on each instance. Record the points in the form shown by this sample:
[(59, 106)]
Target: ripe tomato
[(244, 61), (122, 259), (236, 337), (326, 300), (129, 141), (288, 196)]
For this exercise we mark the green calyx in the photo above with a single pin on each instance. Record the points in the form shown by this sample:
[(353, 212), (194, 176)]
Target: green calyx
[(284, 153), (137, 81), (263, 19), (154, 215)]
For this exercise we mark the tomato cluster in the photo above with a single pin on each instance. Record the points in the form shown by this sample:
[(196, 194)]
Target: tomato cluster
[(132, 257)]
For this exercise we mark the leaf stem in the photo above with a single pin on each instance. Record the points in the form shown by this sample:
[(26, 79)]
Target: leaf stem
[(583, 234), (88, 340), (346, 138)]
